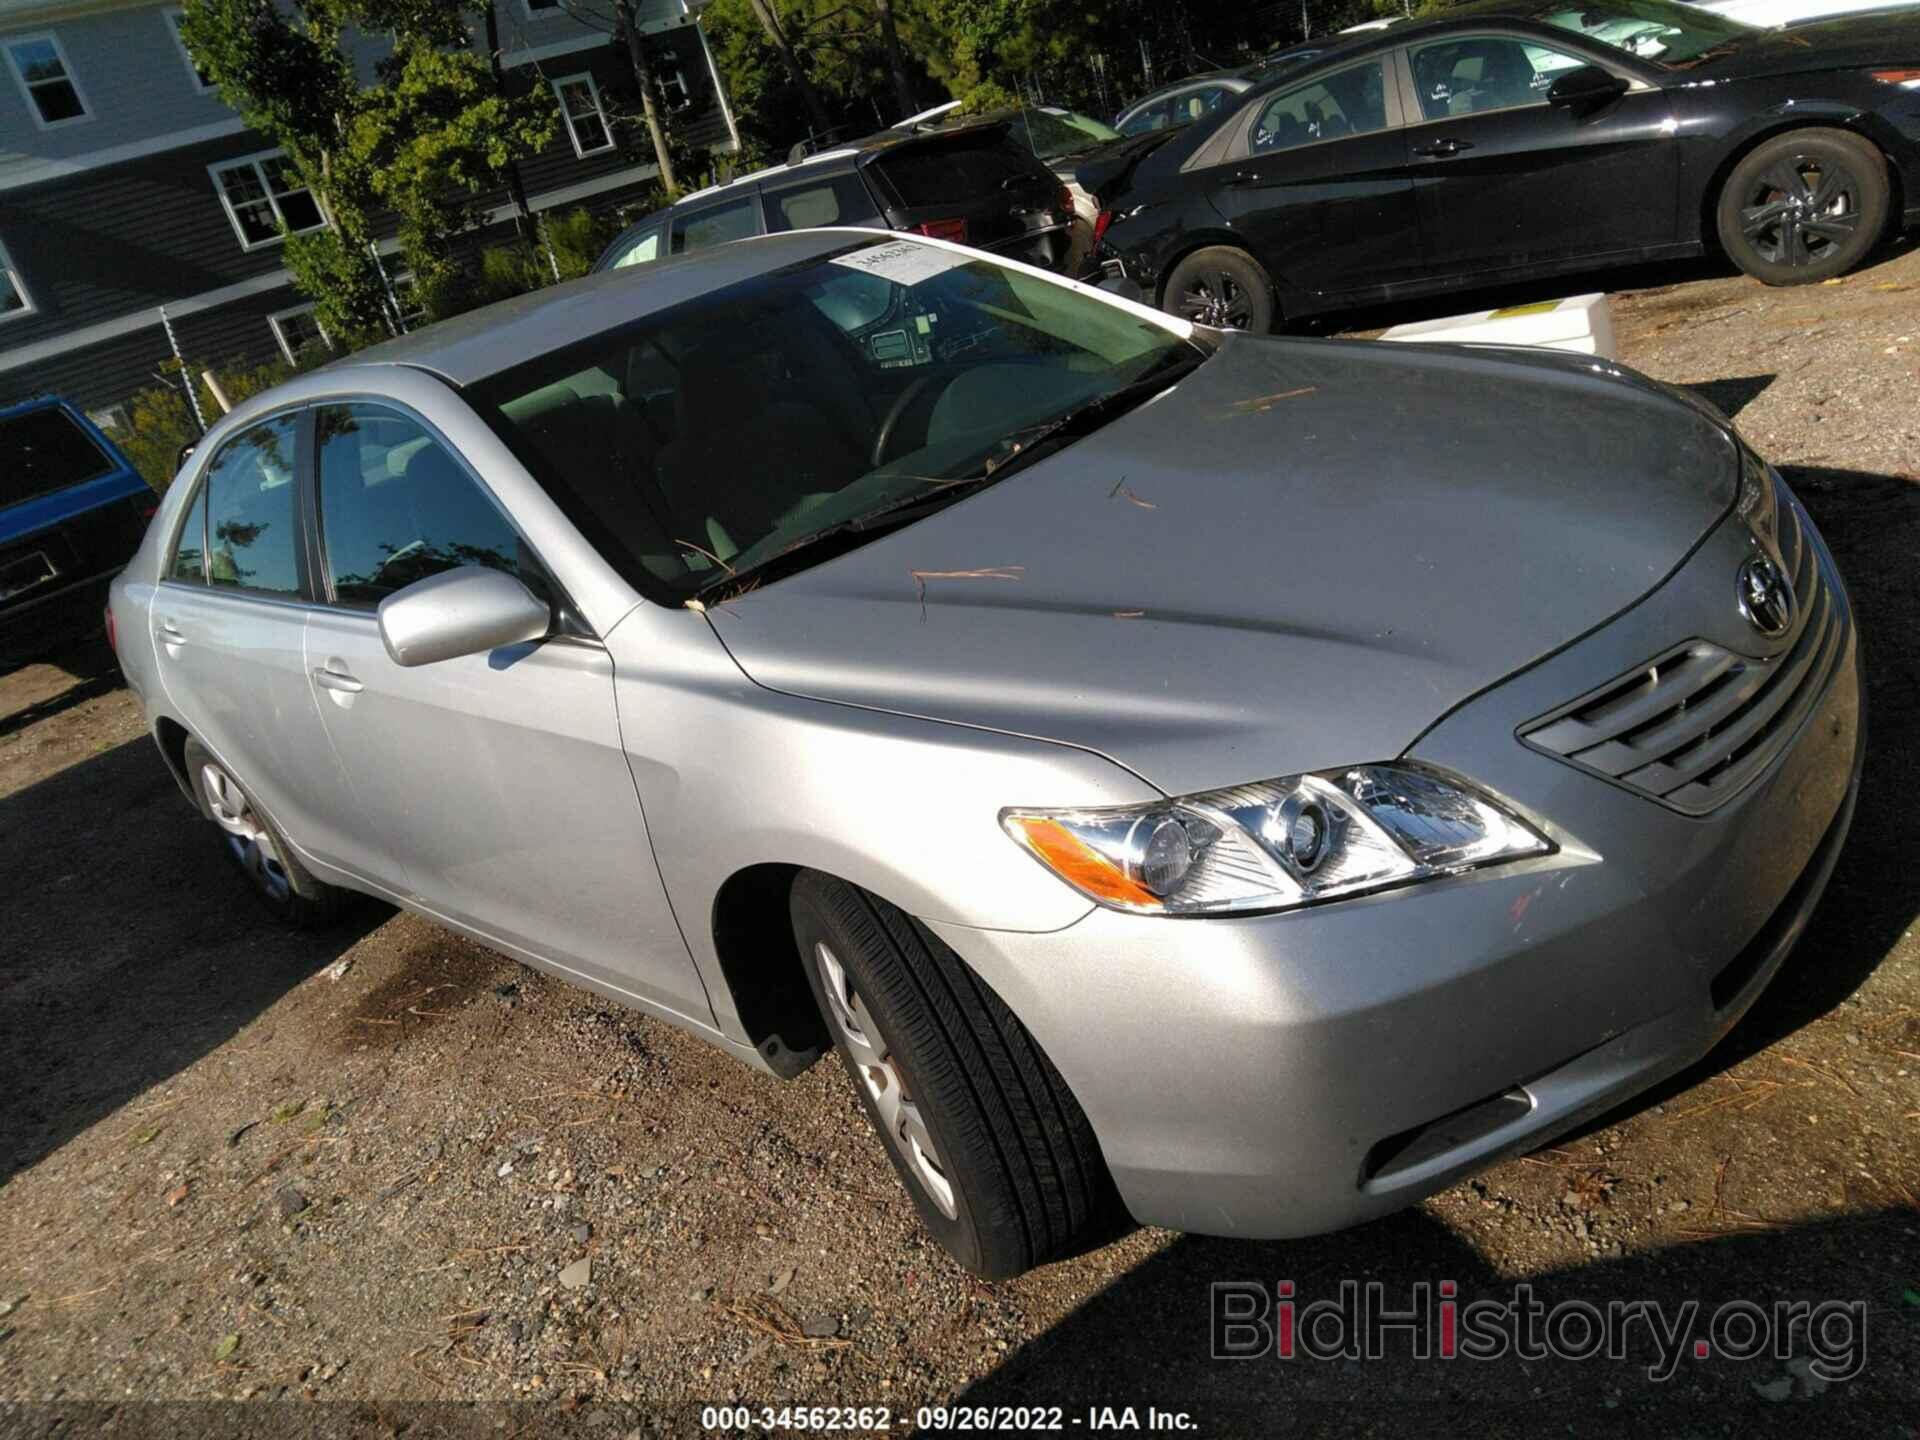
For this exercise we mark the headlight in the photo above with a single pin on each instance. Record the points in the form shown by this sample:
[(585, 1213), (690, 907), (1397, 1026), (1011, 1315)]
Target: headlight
[(1277, 844), (1758, 503)]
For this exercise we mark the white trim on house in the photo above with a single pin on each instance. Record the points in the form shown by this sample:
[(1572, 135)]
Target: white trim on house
[(719, 90), (36, 172), (276, 322), (220, 167), (171, 17), (105, 330), (554, 50), (121, 325), (14, 282), (66, 73), (559, 83)]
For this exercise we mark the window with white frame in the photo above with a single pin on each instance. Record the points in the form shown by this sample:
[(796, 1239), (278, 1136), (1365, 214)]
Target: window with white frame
[(14, 299), (40, 65), (261, 192), (298, 332), (536, 8), (672, 80), (406, 295), (174, 17), (586, 119)]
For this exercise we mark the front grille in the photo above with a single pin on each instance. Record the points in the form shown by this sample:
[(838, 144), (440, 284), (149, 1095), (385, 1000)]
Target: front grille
[(1696, 726)]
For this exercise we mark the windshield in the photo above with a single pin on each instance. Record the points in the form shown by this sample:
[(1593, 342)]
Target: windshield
[(1053, 137), (712, 437), (1658, 30)]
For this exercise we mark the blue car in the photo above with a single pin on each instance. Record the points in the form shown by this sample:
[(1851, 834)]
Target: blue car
[(72, 512)]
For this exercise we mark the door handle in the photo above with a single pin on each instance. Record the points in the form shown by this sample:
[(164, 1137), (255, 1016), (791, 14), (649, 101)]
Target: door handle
[(170, 635), (1440, 149), (333, 676)]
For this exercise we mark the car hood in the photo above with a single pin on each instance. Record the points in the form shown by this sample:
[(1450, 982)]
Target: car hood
[(1299, 557), (1847, 42)]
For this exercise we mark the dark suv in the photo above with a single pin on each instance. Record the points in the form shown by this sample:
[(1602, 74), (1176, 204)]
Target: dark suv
[(72, 512), (973, 184)]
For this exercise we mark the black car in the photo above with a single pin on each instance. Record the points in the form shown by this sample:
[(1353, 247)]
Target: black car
[(72, 512), (974, 184), (1521, 138)]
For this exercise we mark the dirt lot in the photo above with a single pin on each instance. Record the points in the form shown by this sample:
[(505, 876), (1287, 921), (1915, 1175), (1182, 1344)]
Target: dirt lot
[(230, 1172)]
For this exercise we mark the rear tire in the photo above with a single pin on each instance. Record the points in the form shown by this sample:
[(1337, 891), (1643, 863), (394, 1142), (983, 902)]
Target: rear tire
[(1804, 206), (998, 1156), (256, 848), (1221, 287)]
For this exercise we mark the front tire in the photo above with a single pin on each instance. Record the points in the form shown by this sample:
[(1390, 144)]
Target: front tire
[(1221, 287), (1804, 206), (256, 848), (996, 1153)]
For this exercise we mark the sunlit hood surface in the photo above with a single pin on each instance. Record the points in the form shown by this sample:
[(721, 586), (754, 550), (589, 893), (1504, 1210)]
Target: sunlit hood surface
[(1297, 558)]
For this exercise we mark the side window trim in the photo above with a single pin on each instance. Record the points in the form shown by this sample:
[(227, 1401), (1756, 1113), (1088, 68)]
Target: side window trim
[(568, 612), (196, 492)]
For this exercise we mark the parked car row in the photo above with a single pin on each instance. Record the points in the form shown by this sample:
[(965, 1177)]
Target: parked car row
[(1509, 140)]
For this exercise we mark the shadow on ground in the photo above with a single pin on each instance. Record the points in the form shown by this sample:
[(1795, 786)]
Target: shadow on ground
[(130, 947), (1148, 1339)]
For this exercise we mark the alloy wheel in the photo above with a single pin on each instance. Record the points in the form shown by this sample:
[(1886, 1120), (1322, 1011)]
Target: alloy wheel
[(1800, 210), (901, 1122), (249, 840), (1215, 298)]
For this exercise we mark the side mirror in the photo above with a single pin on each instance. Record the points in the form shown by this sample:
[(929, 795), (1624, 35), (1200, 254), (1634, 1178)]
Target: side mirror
[(467, 611), (1585, 88)]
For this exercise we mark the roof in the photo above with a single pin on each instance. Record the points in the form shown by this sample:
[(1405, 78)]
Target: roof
[(483, 342)]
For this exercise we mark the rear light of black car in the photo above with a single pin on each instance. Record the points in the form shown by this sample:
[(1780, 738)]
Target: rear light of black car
[(954, 230), (1065, 202), (113, 634)]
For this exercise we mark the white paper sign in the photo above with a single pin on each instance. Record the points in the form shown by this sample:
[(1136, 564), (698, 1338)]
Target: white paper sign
[(902, 261)]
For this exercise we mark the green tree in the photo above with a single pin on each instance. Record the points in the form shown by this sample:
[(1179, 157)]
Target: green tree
[(284, 70)]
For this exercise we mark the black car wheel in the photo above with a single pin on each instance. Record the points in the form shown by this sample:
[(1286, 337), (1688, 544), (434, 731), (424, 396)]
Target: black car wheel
[(996, 1153), (1804, 206), (257, 848), (1221, 287)]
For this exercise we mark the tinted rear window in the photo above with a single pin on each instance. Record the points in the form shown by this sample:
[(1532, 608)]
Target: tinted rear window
[(44, 451), (958, 171)]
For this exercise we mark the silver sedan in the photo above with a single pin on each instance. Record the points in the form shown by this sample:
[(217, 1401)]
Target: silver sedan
[(1241, 783)]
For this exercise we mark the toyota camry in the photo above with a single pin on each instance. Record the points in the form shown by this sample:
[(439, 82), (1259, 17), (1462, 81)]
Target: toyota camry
[(1241, 783)]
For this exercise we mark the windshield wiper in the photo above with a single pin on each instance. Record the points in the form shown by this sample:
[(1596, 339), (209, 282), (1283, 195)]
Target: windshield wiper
[(1027, 445)]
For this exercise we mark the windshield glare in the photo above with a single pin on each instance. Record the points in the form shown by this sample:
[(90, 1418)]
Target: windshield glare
[(707, 438), (1658, 30)]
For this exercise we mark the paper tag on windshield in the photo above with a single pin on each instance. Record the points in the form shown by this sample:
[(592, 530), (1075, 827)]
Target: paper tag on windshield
[(904, 262)]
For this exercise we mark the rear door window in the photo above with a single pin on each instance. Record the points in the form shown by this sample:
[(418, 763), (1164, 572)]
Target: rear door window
[(253, 528), (716, 225), (1351, 102), (43, 451), (396, 507), (830, 200)]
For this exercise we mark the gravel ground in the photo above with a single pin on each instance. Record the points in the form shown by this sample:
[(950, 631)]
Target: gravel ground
[(385, 1169)]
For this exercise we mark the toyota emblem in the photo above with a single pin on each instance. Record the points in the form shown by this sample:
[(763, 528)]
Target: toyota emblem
[(1766, 597)]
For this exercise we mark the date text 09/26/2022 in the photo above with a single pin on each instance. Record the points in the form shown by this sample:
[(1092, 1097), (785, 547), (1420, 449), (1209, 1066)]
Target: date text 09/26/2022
[(943, 1419)]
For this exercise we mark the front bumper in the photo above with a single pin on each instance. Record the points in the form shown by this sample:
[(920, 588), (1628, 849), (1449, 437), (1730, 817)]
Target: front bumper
[(1289, 1074)]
